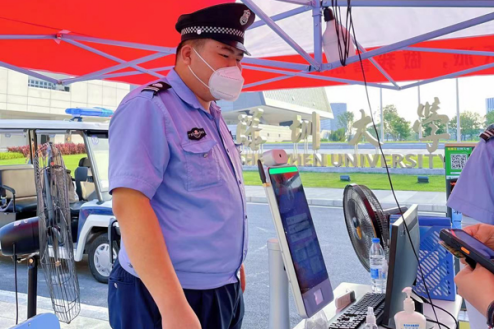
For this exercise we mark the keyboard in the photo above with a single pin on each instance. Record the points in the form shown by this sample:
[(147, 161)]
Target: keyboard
[(354, 316)]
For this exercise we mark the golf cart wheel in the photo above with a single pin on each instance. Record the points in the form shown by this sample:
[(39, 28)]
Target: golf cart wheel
[(99, 258)]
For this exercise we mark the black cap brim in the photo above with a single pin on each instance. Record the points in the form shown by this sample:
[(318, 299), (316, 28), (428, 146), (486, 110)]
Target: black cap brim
[(234, 44)]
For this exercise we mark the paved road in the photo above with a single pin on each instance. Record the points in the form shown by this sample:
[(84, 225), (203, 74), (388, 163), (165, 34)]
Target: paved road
[(341, 262)]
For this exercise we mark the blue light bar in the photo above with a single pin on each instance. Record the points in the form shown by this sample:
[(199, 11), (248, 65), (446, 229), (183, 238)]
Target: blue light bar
[(89, 112)]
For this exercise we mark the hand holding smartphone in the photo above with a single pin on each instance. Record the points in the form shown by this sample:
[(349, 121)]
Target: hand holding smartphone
[(463, 245)]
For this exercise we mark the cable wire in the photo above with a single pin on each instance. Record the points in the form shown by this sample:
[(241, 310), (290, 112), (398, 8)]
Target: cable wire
[(343, 60), (457, 322)]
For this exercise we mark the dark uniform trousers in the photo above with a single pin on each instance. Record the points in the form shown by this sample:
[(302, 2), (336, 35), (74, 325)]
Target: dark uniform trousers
[(131, 306)]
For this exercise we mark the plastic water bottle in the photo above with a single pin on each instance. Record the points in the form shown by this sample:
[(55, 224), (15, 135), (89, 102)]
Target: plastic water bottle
[(377, 259)]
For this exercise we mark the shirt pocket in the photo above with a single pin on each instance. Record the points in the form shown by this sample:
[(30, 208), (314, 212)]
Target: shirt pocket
[(202, 165)]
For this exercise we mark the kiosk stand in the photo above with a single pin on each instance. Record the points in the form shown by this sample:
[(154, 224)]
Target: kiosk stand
[(279, 312)]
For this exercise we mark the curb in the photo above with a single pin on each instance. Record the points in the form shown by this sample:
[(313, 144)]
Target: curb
[(339, 203)]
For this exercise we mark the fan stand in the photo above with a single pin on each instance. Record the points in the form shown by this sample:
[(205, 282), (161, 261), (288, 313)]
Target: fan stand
[(32, 283)]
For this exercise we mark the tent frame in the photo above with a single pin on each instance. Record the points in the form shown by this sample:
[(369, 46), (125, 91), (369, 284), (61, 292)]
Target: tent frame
[(286, 70)]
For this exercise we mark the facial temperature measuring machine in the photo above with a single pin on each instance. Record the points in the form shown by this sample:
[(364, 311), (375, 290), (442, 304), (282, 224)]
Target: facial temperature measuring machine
[(298, 242)]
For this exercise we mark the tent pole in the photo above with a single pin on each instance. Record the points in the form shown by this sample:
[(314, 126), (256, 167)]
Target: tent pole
[(98, 74), (133, 73), (401, 3), (316, 19), (29, 73), (267, 81), (458, 127), (167, 50), (318, 77), (451, 75), (378, 66), (281, 16), (26, 37), (111, 57), (382, 116), (449, 51), (411, 41), (420, 128), (262, 15), (275, 64)]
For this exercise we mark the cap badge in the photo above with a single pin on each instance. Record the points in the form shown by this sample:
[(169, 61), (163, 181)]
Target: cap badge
[(245, 17)]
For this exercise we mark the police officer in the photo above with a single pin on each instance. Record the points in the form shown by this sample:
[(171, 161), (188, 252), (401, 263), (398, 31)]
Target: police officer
[(474, 197), (177, 185)]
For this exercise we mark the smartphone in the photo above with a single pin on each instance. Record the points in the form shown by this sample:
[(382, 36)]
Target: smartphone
[(462, 245)]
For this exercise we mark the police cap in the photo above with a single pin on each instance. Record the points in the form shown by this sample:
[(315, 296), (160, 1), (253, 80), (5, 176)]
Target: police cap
[(225, 23)]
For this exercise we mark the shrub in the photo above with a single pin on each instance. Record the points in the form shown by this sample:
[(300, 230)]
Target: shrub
[(11, 155), (65, 149), (24, 150)]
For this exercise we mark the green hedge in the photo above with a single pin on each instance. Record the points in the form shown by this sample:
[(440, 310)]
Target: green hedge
[(10, 155)]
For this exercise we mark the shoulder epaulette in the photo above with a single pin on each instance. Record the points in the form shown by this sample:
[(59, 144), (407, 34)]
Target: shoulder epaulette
[(156, 87), (488, 134)]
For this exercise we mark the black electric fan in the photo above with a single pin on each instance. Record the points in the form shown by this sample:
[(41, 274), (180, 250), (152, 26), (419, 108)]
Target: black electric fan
[(366, 219), (47, 237)]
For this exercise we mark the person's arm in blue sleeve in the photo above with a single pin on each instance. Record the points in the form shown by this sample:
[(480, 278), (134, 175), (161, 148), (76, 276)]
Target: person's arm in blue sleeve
[(473, 194), (139, 156)]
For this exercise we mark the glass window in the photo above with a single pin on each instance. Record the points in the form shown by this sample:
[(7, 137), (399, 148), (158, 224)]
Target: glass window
[(100, 150), (71, 145), (14, 148)]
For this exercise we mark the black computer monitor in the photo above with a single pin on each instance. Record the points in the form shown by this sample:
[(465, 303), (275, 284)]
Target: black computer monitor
[(403, 263)]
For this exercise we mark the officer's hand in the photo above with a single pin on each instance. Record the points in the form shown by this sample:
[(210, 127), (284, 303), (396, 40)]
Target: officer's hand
[(476, 286), (181, 317), (242, 278), (482, 232)]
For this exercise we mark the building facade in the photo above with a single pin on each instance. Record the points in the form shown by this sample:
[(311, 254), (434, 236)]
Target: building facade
[(22, 96), (333, 124), (26, 97), (489, 104), (280, 108)]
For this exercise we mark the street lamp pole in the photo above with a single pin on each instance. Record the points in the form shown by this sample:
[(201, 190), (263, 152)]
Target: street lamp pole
[(458, 129)]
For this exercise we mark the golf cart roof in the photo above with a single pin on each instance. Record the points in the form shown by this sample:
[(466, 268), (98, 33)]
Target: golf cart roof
[(52, 124)]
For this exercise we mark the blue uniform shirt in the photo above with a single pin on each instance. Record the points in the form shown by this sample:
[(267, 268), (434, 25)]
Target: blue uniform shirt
[(195, 186), (473, 194)]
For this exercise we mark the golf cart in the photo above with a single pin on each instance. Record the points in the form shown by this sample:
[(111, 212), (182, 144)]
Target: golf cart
[(86, 152)]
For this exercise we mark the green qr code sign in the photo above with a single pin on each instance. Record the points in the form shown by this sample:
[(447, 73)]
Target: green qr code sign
[(456, 159)]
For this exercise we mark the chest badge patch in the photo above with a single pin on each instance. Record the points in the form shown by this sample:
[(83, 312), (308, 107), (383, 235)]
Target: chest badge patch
[(196, 134)]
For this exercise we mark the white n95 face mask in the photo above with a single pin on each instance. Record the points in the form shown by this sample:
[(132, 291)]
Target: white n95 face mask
[(225, 83)]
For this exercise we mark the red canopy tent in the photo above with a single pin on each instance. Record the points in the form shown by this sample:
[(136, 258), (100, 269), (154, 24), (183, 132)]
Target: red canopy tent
[(134, 42)]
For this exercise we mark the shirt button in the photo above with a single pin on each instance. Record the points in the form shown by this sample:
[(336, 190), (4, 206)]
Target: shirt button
[(205, 155), (227, 150), (239, 182)]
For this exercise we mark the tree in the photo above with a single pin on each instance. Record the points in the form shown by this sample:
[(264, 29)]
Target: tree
[(389, 114), (441, 127), (372, 131), (470, 124), (395, 125), (338, 135), (489, 119), (400, 128), (345, 121)]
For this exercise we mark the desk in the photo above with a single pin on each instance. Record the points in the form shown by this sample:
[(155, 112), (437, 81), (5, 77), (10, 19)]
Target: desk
[(360, 290)]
